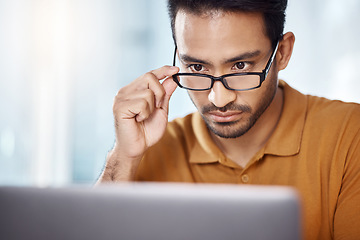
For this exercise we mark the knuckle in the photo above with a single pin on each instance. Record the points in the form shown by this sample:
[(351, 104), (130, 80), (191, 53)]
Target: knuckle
[(117, 105), (118, 99), (143, 104), (122, 92), (149, 94), (148, 76), (161, 91)]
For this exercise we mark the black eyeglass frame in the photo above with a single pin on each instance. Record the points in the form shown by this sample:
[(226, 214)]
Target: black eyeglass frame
[(263, 74)]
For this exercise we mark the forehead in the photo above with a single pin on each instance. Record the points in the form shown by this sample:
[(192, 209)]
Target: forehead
[(222, 32)]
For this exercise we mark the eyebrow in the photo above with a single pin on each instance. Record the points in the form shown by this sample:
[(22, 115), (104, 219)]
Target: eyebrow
[(187, 58), (244, 56)]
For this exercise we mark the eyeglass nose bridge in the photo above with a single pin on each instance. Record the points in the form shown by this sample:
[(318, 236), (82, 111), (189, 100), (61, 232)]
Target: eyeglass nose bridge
[(220, 79)]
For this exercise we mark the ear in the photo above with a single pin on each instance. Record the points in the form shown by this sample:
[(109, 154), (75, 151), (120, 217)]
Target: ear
[(285, 49)]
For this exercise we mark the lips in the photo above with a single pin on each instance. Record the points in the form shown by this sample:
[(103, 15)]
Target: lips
[(228, 116)]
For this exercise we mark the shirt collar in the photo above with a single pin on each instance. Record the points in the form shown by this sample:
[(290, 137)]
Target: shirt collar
[(204, 150), (285, 140)]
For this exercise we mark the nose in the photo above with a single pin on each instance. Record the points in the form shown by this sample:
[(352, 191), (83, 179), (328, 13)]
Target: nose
[(220, 96)]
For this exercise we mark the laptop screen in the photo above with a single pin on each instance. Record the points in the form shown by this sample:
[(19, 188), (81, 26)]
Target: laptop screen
[(150, 211)]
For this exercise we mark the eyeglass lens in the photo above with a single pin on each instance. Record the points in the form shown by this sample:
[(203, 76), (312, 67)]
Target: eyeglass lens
[(241, 82)]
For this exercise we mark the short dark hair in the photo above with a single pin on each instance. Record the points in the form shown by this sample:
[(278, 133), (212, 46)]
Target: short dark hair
[(273, 12)]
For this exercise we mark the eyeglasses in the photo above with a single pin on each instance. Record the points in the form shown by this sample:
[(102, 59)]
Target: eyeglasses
[(237, 81)]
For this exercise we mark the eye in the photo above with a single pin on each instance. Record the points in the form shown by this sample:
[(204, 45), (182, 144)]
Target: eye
[(240, 65), (196, 67)]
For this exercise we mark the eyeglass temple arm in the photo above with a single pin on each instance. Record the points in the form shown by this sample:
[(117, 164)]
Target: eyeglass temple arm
[(174, 60), (268, 65)]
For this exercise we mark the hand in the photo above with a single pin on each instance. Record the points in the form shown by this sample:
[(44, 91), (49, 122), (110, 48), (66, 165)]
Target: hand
[(141, 112)]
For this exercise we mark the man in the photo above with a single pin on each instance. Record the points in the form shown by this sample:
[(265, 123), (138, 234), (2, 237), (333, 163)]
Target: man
[(250, 127)]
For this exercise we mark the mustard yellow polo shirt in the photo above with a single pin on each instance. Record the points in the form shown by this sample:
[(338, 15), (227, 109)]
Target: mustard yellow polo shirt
[(315, 148)]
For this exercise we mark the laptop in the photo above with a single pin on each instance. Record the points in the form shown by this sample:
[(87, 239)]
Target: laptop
[(151, 211)]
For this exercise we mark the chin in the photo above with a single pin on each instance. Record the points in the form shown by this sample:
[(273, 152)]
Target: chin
[(229, 129)]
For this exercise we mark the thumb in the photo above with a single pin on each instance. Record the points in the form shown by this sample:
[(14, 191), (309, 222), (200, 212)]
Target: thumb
[(169, 85)]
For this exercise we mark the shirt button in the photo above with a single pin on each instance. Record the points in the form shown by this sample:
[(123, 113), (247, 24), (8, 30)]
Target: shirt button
[(245, 178)]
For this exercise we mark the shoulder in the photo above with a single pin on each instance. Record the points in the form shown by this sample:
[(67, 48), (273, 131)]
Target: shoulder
[(320, 123), (180, 129), (318, 106), (323, 104), (319, 111), (334, 127), (333, 112)]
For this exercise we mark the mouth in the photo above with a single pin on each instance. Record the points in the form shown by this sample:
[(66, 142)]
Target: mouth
[(228, 116)]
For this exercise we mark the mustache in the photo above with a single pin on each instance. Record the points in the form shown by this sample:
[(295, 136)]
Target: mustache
[(227, 107)]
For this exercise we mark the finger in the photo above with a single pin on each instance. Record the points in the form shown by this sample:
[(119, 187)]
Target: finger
[(169, 86), (161, 73), (149, 96), (154, 84), (158, 91), (138, 105), (139, 109), (150, 80), (165, 71), (146, 82)]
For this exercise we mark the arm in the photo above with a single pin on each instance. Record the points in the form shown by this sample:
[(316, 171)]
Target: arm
[(347, 215), (141, 115)]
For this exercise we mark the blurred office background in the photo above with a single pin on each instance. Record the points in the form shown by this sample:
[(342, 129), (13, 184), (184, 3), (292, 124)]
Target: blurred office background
[(63, 61)]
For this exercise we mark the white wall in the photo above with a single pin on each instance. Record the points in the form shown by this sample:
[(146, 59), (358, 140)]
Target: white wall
[(62, 62)]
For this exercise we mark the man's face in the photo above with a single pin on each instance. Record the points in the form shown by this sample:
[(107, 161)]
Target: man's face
[(224, 43)]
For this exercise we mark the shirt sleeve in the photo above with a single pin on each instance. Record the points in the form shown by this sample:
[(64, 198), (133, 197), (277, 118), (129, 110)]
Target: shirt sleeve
[(347, 214)]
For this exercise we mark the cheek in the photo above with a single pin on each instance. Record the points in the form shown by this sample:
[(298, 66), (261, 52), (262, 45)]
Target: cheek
[(268, 86), (254, 98), (250, 98), (199, 98), (267, 92)]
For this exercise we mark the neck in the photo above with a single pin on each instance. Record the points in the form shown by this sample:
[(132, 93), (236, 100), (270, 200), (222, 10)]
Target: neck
[(242, 149)]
